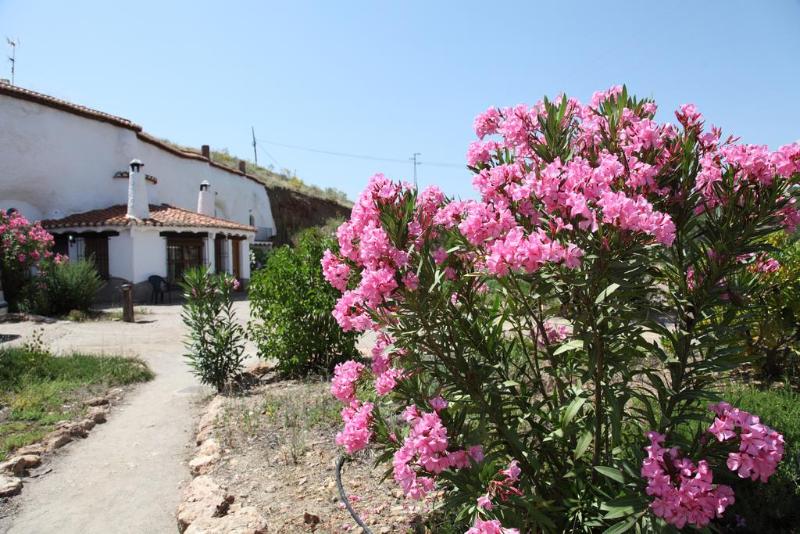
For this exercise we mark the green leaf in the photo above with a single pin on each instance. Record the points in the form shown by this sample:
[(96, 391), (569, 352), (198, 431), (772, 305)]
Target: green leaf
[(621, 527), (605, 293), (572, 410), (572, 345), (583, 443), (610, 472)]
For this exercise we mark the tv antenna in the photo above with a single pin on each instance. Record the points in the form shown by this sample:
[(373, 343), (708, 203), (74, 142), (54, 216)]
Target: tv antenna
[(13, 57), (416, 164)]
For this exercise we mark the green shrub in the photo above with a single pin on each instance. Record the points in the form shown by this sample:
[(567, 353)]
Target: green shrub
[(775, 312), (215, 342), (290, 306), (773, 507), (67, 286)]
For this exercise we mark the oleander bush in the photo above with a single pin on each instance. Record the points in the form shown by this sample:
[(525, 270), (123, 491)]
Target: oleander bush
[(290, 304), (66, 286), (775, 313), (551, 354), (215, 339), (24, 246)]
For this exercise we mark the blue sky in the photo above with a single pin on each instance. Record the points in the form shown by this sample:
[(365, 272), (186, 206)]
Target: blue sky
[(386, 79)]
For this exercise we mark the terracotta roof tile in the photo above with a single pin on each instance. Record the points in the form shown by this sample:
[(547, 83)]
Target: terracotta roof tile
[(163, 215), (51, 101)]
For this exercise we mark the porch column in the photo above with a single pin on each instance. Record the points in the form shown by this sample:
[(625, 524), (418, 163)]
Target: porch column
[(210, 252), (229, 258), (244, 265)]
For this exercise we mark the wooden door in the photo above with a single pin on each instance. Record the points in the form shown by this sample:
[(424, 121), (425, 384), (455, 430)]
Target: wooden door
[(237, 258), (96, 250)]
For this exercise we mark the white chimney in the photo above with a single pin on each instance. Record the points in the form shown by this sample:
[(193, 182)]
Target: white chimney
[(138, 207), (205, 199)]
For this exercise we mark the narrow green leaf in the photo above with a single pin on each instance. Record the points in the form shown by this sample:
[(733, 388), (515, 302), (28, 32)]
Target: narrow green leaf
[(621, 527), (610, 472), (605, 293), (583, 443), (572, 410), (572, 345)]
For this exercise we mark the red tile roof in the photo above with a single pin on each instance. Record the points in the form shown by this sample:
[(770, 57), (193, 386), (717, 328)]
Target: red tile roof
[(53, 102), (16, 91), (163, 215)]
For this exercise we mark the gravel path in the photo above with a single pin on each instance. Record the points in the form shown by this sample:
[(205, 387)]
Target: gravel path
[(127, 475)]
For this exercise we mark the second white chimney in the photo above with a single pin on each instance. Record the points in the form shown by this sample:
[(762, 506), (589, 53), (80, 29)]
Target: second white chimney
[(205, 199), (138, 207)]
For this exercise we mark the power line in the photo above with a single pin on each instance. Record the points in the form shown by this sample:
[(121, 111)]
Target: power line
[(364, 156), (334, 153)]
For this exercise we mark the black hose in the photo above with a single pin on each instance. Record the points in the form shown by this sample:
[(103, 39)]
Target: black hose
[(343, 496)]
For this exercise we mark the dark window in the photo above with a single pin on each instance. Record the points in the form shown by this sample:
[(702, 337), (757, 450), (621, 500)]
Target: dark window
[(182, 254), (95, 249), (220, 254), (61, 245)]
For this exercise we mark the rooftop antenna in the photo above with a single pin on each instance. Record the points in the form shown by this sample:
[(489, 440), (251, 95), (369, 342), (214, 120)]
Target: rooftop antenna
[(416, 164), (255, 151), (13, 57)]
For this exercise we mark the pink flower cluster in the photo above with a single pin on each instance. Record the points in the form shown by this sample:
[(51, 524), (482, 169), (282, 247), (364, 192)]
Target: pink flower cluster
[(492, 526), (335, 271), (356, 433), (364, 243), (684, 492), (760, 447), (502, 488), (424, 453), (753, 166), (345, 376), (23, 244)]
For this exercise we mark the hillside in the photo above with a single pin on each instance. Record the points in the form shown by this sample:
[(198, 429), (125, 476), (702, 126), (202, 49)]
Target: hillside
[(295, 204)]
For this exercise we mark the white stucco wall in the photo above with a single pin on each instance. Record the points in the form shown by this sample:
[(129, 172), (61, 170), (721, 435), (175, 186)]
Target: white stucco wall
[(54, 163), (120, 255)]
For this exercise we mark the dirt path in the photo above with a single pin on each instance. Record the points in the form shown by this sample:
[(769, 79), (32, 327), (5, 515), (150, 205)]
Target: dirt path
[(126, 476)]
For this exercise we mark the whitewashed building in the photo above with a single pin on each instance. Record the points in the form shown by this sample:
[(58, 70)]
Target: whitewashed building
[(135, 204)]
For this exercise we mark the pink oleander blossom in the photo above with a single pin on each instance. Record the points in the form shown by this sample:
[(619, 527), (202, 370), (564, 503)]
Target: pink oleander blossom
[(335, 271), (760, 447), (356, 433), (490, 527), (345, 376), (683, 493)]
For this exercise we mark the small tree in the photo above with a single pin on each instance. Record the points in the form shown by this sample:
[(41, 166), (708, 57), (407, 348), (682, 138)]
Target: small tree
[(551, 355), (23, 245), (215, 341), (290, 304), (67, 286)]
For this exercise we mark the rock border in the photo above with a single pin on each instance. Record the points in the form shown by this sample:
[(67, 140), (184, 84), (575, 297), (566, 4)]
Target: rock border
[(17, 467), (205, 507)]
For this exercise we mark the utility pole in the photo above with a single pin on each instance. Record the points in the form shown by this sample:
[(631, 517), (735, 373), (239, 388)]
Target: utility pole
[(13, 57), (416, 163), (255, 151)]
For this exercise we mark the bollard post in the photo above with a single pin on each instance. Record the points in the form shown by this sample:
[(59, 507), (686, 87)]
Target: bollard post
[(127, 303)]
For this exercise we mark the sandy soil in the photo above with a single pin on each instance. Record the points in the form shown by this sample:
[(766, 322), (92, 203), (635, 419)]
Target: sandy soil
[(278, 454), (127, 475)]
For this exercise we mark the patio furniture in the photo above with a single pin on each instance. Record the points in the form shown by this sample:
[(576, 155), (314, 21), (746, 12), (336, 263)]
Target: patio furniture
[(160, 285)]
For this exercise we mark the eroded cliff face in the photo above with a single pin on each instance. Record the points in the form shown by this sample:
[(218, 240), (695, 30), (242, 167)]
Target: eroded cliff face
[(294, 211)]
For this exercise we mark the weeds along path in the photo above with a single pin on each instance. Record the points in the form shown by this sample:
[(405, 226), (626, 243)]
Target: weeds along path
[(127, 475)]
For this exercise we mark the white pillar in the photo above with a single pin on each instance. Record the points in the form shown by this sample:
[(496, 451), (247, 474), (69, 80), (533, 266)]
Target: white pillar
[(138, 207), (229, 258), (211, 252), (244, 250)]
